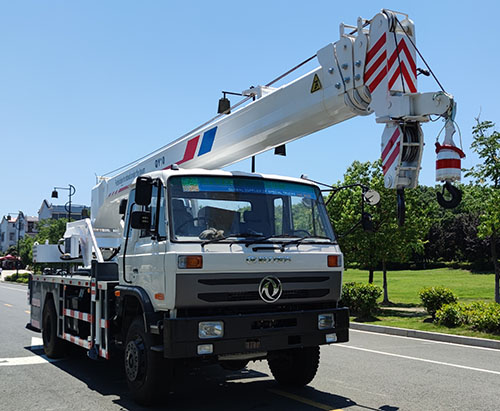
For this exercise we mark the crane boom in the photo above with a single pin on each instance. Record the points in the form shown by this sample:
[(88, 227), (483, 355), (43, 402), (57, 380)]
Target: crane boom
[(368, 70)]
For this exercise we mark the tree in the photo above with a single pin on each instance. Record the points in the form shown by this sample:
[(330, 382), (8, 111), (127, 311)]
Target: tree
[(26, 250), (389, 242), (486, 143), (51, 230), (454, 232)]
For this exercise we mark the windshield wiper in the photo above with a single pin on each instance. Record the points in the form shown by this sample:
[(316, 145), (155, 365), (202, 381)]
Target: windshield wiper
[(300, 240), (265, 238), (217, 239)]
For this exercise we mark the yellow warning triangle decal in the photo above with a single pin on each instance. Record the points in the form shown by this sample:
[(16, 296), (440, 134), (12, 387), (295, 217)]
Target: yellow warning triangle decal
[(316, 85)]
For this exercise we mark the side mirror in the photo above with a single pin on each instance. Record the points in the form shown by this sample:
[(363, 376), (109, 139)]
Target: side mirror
[(140, 220), (143, 190)]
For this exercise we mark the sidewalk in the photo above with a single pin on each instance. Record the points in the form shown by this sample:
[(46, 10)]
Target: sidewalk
[(6, 273)]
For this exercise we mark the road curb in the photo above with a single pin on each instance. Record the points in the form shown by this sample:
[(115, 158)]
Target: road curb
[(426, 335)]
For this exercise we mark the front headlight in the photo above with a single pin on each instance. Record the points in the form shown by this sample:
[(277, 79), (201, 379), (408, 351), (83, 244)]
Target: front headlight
[(210, 329), (326, 321)]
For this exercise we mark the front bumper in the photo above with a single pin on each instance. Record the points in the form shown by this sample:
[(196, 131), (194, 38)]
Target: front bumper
[(248, 333)]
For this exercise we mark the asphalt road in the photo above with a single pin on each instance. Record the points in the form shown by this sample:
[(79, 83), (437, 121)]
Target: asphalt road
[(371, 372)]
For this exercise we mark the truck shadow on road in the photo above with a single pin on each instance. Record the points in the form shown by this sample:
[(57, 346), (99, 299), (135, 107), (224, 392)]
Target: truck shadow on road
[(204, 388)]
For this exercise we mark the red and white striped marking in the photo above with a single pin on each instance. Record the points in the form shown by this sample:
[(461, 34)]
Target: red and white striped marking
[(104, 353), (104, 323), (93, 290), (78, 341), (397, 70), (448, 162), (391, 151), (78, 315), (378, 66)]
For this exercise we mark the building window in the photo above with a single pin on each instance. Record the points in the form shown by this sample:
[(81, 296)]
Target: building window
[(11, 236)]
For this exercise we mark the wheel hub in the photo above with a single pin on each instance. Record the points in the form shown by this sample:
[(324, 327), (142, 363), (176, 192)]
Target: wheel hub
[(132, 358)]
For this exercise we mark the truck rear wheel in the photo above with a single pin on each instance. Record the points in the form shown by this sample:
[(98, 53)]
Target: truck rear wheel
[(143, 367), (294, 367), (53, 346)]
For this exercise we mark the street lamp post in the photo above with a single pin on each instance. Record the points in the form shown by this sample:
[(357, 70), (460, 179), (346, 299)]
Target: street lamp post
[(72, 191)]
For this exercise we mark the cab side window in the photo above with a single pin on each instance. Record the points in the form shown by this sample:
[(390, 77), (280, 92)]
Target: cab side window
[(157, 210)]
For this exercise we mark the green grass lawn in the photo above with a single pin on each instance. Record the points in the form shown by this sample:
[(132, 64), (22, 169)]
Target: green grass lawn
[(403, 289), (404, 285)]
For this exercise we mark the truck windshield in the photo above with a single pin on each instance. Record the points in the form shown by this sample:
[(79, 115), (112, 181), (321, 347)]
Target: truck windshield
[(243, 208)]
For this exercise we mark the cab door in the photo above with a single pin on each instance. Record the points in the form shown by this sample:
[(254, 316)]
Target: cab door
[(145, 258)]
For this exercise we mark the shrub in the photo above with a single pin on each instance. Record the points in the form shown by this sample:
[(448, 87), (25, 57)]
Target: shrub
[(484, 316), (12, 277), (360, 298), (18, 278), (433, 298), (450, 315), (479, 316)]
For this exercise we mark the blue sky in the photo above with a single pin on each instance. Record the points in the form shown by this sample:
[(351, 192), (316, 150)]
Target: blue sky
[(87, 86)]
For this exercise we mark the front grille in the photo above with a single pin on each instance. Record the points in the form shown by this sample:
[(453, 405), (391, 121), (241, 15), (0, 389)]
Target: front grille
[(257, 280), (242, 289)]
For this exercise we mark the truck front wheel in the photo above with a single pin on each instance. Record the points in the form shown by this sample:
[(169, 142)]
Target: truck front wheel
[(143, 367), (294, 367), (53, 346)]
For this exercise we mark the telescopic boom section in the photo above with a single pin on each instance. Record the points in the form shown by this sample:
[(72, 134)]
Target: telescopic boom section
[(370, 69)]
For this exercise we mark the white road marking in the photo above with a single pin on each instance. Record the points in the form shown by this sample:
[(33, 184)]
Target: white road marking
[(425, 341), (36, 343), (420, 359), (34, 359)]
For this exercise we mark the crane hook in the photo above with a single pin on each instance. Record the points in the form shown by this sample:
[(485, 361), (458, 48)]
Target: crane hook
[(455, 193)]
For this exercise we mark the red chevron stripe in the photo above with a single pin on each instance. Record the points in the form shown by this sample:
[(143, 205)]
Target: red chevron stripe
[(380, 76), (376, 47), (408, 78), (402, 47), (391, 159), (390, 143), (375, 66)]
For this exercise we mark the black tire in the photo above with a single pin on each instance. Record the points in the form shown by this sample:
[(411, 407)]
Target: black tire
[(143, 367), (53, 346), (234, 365), (295, 367)]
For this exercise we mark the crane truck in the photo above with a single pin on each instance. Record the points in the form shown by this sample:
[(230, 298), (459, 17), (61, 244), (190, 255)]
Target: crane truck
[(183, 263)]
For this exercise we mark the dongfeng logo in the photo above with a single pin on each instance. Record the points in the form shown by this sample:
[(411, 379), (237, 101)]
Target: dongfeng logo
[(270, 289), (268, 260)]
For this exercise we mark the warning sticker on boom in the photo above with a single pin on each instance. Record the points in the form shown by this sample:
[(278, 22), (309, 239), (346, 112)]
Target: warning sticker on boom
[(316, 85)]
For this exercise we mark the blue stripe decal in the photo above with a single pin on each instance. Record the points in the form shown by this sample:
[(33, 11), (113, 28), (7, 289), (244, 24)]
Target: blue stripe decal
[(208, 141)]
